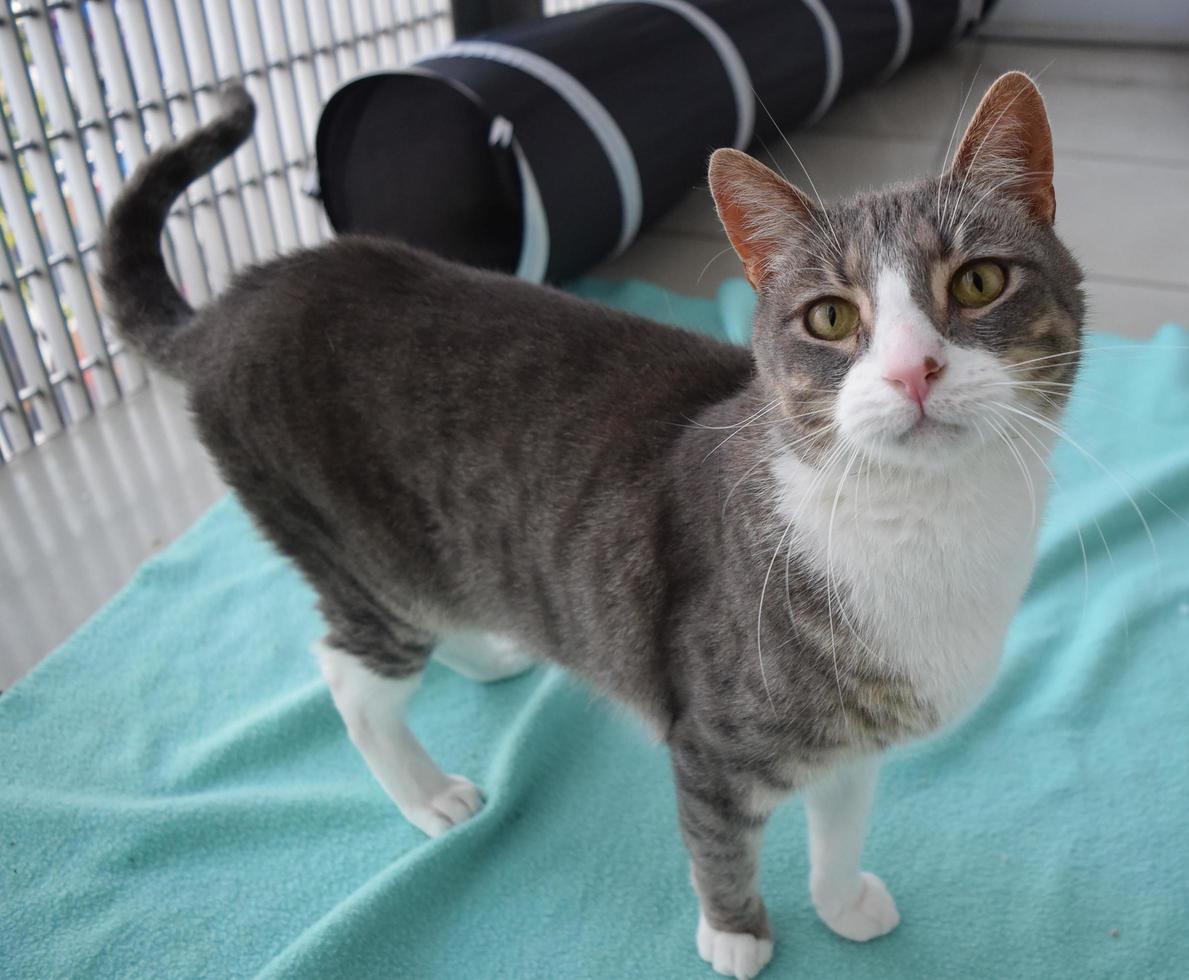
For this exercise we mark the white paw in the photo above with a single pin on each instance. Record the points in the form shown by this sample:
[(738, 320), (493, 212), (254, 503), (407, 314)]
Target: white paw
[(869, 914), (733, 954), (455, 802), (483, 657), (503, 660)]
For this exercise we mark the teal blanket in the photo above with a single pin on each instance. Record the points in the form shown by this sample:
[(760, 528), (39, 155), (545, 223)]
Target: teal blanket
[(178, 797)]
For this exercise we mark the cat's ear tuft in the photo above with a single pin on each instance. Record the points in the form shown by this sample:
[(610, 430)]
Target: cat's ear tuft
[(759, 210), (1008, 143)]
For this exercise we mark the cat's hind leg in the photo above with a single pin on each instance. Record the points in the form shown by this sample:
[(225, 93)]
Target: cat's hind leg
[(482, 657), (373, 706)]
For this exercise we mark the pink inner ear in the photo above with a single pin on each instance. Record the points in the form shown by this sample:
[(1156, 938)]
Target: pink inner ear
[(754, 252), (1011, 128), (751, 202)]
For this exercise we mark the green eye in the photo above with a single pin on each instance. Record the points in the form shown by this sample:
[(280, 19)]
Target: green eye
[(832, 319), (978, 283)]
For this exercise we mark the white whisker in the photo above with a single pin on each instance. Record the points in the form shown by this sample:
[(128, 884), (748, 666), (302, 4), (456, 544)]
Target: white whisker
[(945, 160), (693, 423), (760, 614), (1028, 482), (1027, 440), (717, 255), (1124, 349), (812, 186), (1017, 175), (829, 574), (782, 419), (1061, 434)]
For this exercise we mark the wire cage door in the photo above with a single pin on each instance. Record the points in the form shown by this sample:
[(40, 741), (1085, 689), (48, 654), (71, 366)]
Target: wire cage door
[(87, 89)]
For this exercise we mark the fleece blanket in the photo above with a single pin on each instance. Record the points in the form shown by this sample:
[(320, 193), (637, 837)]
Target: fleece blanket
[(178, 797)]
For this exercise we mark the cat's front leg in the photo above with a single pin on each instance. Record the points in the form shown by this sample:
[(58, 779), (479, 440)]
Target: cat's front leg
[(854, 903), (723, 839)]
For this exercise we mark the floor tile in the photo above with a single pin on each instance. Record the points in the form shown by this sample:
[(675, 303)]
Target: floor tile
[(1125, 219), (1134, 107), (1093, 64), (1132, 310), (1145, 124), (84, 510), (921, 101)]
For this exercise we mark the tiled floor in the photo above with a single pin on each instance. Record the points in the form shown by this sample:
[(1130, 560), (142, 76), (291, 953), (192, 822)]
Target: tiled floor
[(81, 513)]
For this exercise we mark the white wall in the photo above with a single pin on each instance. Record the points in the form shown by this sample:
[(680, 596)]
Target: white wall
[(1133, 21)]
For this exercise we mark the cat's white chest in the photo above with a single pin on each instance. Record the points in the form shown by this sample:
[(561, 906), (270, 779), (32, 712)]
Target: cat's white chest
[(931, 566)]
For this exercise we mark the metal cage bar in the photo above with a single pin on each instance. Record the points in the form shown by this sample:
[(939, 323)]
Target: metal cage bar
[(30, 277), (142, 58), (77, 197), (87, 89), (271, 84), (33, 397)]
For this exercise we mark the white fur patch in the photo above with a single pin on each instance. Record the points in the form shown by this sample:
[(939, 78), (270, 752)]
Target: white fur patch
[(373, 709), (871, 913), (901, 327), (933, 562), (732, 954), (483, 657), (926, 525), (873, 414)]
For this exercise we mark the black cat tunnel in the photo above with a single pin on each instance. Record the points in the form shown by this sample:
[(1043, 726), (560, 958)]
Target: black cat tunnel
[(542, 147)]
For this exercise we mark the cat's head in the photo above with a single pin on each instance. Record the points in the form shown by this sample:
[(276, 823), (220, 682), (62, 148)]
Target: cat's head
[(918, 321)]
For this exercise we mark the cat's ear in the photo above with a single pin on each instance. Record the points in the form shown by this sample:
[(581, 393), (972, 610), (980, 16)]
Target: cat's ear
[(1008, 143), (760, 211)]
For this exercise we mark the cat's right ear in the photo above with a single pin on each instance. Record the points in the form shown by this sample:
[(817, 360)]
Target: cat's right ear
[(1008, 141), (759, 210)]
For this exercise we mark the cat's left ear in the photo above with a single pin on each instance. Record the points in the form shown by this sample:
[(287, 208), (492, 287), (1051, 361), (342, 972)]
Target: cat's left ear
[(760, 211), (1008, 143)]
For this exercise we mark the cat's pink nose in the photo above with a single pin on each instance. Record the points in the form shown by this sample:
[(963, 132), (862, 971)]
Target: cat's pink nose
[(914, 377)]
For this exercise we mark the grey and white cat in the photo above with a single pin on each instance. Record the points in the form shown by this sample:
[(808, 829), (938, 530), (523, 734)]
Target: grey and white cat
[(821, 565)]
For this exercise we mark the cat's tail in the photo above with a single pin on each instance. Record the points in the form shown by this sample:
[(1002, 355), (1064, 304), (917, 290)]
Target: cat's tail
[(141, 299)]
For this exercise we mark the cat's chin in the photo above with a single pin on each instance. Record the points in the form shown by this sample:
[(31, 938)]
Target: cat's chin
[(929, 443)]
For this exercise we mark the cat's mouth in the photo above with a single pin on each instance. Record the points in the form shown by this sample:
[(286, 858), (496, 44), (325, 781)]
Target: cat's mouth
[(928, 427)]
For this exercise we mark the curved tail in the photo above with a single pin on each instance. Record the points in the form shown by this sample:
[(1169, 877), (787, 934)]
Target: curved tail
[(141, 299)]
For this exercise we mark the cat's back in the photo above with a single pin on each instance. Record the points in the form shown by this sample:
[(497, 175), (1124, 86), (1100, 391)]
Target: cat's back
[(369, 354), (363, 306), (371, 292)]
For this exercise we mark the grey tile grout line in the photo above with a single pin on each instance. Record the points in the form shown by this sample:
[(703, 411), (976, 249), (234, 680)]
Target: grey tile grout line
[(991, 39), (1115, 280), (1092, 156)]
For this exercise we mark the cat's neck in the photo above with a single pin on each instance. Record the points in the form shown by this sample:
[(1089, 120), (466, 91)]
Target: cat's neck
[(934, 562), (988, 484)]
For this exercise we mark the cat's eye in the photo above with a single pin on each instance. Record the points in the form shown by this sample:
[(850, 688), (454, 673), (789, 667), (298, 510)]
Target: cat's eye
[(832, 319), (978, 283)]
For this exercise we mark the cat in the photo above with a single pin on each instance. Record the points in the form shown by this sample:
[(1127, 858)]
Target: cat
[(784, 559)]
